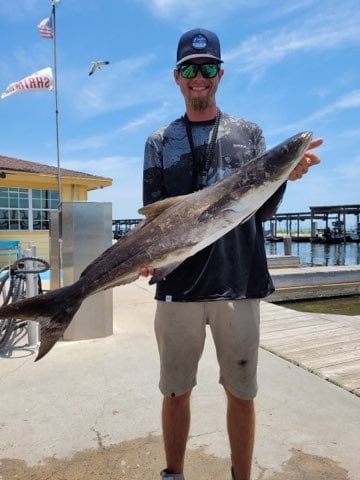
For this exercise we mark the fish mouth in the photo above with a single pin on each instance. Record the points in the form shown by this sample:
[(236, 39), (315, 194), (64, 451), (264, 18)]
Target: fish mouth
[(307, 136)]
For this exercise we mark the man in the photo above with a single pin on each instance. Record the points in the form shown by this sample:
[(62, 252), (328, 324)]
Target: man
[(222, 285)]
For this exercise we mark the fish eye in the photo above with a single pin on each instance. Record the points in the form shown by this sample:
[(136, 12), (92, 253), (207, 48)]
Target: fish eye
[(285, 150)]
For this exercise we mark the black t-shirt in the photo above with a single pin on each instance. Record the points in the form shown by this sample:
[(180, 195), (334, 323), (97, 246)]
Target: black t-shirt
[(235, 266)]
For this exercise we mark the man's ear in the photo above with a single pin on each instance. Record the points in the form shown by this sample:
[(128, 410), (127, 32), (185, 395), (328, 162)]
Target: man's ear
[(176, 75)]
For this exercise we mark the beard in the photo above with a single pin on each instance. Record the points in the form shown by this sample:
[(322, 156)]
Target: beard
[(199, 104), (202, 103)]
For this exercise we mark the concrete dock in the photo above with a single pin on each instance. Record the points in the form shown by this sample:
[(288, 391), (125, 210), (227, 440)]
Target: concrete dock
[(91, 409), (313, 282)]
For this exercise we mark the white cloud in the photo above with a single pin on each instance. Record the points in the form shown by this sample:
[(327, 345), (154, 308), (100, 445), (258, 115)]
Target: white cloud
[(21, 10), (319, 188), (109, 88), (103, 166), (345, 102), (205, 9), (125, 194), (259, 52), (148, 118), (98, 141), (351, 133), (192, 8), (212, 12), (349, 171)]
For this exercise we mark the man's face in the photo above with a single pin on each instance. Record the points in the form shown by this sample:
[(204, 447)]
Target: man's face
[(199, 92)]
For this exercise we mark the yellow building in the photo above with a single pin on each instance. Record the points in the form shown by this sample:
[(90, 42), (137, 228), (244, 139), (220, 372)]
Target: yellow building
[(28, 192)]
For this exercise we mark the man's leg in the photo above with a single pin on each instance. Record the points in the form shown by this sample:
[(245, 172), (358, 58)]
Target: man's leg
[(241, 428), (180, 335), (176, 424), (235, 328)]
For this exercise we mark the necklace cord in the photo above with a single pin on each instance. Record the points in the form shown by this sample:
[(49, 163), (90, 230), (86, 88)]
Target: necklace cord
[(203, 167)]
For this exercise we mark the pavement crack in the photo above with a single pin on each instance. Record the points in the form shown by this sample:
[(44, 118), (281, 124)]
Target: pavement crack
[(99, 438)]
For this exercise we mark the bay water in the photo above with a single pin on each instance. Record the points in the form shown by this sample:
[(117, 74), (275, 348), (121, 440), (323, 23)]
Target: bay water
[(319, 254), (322, 254)]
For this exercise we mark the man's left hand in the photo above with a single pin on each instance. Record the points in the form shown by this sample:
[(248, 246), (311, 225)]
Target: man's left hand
[(309, 159)]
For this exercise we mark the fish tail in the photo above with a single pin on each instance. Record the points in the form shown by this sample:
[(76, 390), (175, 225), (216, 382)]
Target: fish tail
[(53, 310), (54, 327)]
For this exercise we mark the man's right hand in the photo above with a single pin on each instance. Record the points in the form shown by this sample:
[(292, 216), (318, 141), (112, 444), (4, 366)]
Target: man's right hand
[(146, 271)]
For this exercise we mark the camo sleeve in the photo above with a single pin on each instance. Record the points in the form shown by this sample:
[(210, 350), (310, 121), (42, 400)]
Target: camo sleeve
[(153, 181)]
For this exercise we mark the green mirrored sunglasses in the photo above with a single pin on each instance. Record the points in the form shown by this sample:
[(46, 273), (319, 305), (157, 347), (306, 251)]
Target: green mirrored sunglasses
[(190, 70)]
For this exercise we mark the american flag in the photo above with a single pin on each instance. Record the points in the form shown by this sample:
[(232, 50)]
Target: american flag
[(46, 28)]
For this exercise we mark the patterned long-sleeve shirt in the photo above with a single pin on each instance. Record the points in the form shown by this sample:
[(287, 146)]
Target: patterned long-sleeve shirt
[(235, 266)]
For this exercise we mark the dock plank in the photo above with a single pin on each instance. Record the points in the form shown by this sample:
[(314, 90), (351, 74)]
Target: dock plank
[(310, 337), (326, 345), (351, 381), (319, 350), (299, 332), (350, 368)]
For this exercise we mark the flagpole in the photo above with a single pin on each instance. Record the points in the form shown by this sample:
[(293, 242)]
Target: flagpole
[(54, 2), (59, 279)]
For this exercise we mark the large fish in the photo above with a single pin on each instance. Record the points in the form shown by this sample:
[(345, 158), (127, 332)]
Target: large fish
[(174, 229)]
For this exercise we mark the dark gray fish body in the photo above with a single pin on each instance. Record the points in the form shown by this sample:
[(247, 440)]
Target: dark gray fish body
[(174, 229)]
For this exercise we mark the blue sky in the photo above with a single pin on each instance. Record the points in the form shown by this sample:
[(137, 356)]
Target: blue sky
[(289, 66)]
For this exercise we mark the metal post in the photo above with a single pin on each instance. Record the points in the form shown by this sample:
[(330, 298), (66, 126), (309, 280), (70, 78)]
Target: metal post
[(31, 291), (287, 244), (314, 227), (273, 229)]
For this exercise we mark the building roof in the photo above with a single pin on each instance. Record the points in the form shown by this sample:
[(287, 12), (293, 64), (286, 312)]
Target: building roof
[(17, 165), (15, 172)]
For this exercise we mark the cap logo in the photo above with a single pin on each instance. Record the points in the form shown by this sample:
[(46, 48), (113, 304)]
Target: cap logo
[(199, 42)]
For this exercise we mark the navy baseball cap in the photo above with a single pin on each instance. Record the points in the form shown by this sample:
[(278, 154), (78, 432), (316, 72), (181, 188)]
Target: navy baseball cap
[(198, 43)]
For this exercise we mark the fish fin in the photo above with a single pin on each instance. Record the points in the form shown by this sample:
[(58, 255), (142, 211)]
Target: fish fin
[(154, 209), (163, 272), (52, 328), (53, 310)]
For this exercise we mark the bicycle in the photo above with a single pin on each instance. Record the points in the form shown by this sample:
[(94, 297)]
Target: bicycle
[(13, 288)]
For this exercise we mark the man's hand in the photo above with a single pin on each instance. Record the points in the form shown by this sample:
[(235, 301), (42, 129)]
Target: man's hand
[(309, 159), (146, 271)]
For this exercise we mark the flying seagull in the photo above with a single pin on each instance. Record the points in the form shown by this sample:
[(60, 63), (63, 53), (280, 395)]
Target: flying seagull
[(98, 64)]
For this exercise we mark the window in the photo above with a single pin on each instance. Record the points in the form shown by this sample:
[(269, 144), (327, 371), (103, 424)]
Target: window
[(25, 209), (42, 202)]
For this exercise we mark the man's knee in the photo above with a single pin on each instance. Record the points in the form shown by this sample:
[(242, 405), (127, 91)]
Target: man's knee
[(239, 402), (178, 400)]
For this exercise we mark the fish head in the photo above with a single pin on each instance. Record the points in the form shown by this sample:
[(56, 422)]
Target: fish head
[(280, 160)]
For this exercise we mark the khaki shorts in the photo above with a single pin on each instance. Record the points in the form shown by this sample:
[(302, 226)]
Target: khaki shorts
[(180, 333)]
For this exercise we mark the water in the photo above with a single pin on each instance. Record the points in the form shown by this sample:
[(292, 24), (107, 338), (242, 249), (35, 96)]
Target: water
[(336, 305), (322, 254), (319, 254)]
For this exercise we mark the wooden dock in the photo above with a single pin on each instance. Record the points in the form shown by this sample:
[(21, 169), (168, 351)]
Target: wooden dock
[(324, 344)]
